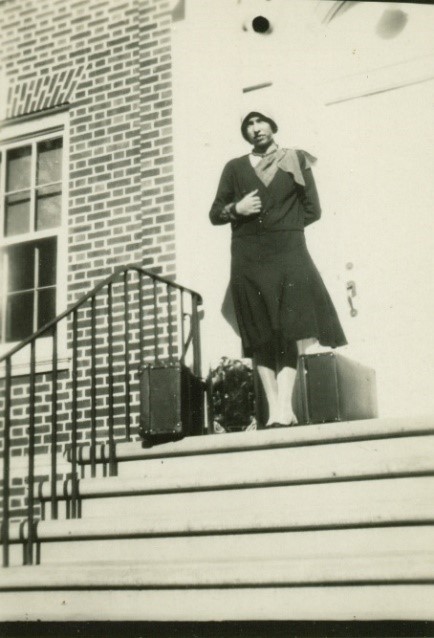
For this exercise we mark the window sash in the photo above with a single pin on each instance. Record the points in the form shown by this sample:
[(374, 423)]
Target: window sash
[(56, 231), (33, 293), (33, 188)]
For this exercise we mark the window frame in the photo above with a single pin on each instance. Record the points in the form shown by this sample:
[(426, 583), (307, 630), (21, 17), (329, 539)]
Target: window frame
[(15, 135)]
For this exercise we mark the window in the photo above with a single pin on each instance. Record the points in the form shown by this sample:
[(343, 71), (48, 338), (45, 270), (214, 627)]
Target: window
[(31, 195), (31, 287)]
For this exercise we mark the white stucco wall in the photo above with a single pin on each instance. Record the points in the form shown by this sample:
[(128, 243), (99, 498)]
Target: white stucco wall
[(373, 174)]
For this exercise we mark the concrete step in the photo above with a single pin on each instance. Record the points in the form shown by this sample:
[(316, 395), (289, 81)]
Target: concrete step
[(327, 522), (399, 457), (19, 466), (252, 546), (343, 504), (325, 433), (395, 500), (393, 587), (410, 602), (404, 567)]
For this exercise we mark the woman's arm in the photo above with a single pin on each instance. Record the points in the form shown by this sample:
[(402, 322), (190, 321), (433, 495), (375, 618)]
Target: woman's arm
[(223, 208), (308, 194)]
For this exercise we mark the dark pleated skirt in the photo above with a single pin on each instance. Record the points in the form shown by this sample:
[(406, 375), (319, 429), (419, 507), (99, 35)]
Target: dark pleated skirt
[(278, 292)]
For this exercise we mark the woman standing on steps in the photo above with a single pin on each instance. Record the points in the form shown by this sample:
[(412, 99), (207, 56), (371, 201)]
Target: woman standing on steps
[(280, 300)]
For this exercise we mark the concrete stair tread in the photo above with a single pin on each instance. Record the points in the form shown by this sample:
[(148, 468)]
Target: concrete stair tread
[(322, 569), (356, 602), (335, 521), (341, 504), (261, 439), (274, 545), (410, 455)]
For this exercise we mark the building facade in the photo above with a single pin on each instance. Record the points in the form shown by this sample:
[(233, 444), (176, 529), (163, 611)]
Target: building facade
[(117, 118), (87, 186)]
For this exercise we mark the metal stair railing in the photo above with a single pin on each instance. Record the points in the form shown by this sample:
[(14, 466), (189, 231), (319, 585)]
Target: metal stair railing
[(130, 316)]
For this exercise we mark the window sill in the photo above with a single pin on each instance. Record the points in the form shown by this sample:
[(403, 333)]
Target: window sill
[(20, 361), (23, 369)]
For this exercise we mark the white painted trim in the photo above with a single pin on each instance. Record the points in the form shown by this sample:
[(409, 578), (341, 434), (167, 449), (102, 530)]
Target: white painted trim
[(48, 126), (21, 367), (22, 130)]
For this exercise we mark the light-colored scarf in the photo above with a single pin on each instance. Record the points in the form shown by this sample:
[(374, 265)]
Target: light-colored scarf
[(285, 159)]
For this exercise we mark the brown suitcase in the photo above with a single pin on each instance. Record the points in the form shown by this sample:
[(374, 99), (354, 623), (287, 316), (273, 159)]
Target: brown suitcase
[(171, 403), (330, 387)]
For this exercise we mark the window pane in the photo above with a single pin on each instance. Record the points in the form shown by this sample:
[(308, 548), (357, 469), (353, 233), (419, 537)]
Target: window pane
[(46, 306), (19, 316), (18, 168), (21, 271), (47, 262), (48, 204), (50, 161), (17, 213)]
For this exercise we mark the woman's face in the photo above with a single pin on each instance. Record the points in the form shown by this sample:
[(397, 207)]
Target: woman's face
[(259, 132)]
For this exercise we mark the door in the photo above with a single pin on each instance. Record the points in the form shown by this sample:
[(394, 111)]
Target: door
[(379, 222)]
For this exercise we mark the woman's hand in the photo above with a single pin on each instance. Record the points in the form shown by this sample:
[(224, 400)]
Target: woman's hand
[(249, 205)]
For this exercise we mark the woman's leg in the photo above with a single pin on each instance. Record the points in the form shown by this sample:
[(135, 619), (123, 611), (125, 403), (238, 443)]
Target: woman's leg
[(277, 371), (286, 368), (285, 386), (264, 360), (269, 384)]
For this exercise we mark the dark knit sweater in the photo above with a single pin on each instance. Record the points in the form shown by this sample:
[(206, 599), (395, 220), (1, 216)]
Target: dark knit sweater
[(286, 205)]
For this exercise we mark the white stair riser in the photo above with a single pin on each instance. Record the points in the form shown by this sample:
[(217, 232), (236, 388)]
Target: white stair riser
[(279, 545), (349, 504), (323, 433), (357, 458), (404, 456), (397, 602), (318, 504), (401, 568)]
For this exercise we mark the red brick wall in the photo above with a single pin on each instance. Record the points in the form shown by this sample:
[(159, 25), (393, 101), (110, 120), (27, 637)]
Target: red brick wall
[(109, 62)]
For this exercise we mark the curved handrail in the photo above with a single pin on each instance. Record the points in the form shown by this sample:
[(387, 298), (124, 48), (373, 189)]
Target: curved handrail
[(110, 279), (118, 364)]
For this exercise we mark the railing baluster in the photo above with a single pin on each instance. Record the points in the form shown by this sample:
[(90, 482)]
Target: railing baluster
[(196, 336), (169, 322), (93, 387), (127, 358), (141, 336), (156, 354), (175, 333), (31, 462), (74, 477), (181, 295), (54, 508), (6, 464), (112, 461)]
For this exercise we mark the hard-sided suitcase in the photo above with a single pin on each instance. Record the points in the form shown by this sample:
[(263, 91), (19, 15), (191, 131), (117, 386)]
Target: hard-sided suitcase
[(331, 387), (171, 403)]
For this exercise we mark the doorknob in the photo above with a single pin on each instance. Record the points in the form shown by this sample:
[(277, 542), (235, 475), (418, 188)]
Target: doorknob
[(351, 292)]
